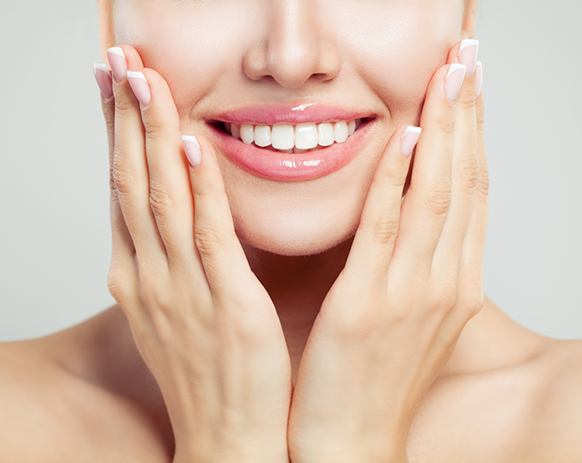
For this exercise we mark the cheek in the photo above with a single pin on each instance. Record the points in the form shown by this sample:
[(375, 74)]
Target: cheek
[(187, 43), (397, 50)]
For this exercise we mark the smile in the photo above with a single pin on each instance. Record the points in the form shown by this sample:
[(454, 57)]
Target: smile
[(278, 144)]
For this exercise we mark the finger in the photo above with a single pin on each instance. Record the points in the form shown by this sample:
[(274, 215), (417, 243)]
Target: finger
[(376, 234), (465, 169), (225, 263), (427, 200), (471, 291), (129, 162), (470, 295), (122, 252), (170, 194)]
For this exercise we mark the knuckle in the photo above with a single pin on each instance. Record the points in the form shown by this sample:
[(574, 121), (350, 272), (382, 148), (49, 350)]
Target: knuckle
[(123, 105), (117, 285), (207, 240), (444, 299), (252, 327), (469, 173), (152, 296), (385, 230), (483, 183), (473, 308), (153, 125), (121, 177), (466, 101), (438, 199), (390, 178), (159, 198), (445, 122), (353, 326)]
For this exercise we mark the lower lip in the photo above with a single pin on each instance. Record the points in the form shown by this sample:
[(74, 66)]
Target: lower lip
[(292, 167)]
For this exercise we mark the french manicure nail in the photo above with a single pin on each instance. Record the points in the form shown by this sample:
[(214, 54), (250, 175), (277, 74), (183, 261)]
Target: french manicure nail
[(479, 77), (454, 80), (468, 52), (139, 85), (103, 78), (409, 139), (192, 149), (118, 63)]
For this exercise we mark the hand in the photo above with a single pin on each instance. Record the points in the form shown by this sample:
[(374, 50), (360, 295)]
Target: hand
[(412, 281), (203, 323)]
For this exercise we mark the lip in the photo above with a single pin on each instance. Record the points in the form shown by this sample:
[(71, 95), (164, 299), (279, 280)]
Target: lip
[(292, 113), (280, 166)]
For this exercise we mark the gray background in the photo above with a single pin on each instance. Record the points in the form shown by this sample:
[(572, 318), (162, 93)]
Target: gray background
[(55, 240)]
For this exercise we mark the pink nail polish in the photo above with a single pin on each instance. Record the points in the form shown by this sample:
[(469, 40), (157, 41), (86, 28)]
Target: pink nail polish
[(454, 80), (192, 149), (139, 85), (103, 78), (409, 139), (468, 52), (117, 62), (479, 77)]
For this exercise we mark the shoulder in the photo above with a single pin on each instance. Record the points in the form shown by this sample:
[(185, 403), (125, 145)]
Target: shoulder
[(554, 427), (51, 413), (30, 407)]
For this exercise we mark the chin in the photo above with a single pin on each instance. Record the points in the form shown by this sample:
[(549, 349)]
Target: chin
[(292, 238)]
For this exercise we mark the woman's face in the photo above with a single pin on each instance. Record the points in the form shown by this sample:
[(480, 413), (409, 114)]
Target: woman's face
[(374, 56)]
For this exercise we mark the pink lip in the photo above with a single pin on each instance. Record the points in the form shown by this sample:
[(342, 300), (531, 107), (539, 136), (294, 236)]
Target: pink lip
[(293, 113), (281, 166)]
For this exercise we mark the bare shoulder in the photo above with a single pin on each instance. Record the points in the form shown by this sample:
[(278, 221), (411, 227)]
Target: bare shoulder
[(30, 407), (52, 414), (556, 422)]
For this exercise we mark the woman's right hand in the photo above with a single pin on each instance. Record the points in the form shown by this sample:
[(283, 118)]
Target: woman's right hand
[(204, 325)]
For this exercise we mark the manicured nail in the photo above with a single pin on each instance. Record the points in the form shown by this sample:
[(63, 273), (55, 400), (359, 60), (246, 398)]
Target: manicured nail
[(192, 148), (468, 52), (139, 85), (103, 78), (409, 139), (117, 62), (479, 77), (454, 80)]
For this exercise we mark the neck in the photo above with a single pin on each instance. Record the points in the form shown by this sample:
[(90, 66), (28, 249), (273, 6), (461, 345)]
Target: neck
[(297, 286)]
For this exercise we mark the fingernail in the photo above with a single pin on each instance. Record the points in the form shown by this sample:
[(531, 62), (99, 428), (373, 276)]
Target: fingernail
[(139, 85), (454, 80), (409, 139), (479, 77), (117, 62), (468, 52), (103, 78), (192, 148)]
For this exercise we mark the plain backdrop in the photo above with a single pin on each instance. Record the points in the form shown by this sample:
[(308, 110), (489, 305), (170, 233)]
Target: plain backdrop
[(55, 240)]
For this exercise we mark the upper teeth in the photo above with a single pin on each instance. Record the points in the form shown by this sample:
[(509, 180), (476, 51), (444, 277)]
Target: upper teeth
[(294, 138)]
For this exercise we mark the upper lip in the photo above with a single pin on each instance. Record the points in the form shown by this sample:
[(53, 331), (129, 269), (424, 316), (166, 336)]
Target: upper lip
[(291, 113)]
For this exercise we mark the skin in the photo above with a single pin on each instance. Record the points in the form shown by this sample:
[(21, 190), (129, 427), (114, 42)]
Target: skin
[(503, 394)]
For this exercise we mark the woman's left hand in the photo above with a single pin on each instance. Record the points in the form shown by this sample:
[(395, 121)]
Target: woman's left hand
[(413, 279)]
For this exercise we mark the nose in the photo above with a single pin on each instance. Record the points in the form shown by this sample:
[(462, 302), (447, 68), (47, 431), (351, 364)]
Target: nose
[(293, 50)]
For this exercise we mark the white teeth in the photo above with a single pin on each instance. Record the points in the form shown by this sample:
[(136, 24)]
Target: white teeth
[(294, 138), (306, 136), (340, 131), (262, 135), (282, 137), (325, 134), (247, 133)]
